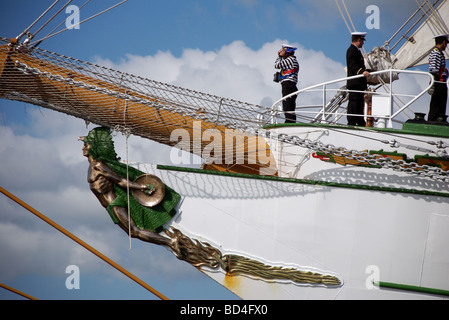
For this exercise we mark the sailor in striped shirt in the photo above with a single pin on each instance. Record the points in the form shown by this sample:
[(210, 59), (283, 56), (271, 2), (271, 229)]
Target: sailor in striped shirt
[(437, 67), (288, 78)]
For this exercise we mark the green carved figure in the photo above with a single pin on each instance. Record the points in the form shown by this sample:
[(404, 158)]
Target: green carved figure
[(107, 179)]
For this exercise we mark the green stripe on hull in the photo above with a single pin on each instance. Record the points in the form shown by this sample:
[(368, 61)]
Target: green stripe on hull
[(310, 182)]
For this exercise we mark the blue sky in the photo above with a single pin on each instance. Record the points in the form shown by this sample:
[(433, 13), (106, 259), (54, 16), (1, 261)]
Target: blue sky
[(187, 43)]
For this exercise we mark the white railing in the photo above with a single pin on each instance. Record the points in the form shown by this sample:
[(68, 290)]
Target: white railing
[(387, 114)]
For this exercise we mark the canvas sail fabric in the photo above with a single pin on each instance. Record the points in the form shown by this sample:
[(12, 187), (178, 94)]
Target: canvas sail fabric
[(415, 52), (380, 59)]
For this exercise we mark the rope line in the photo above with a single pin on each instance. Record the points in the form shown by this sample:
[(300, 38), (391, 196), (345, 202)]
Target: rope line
[(343, 16), (63, 21), (4, 286), (82, 243), (49, 20), (349, 16), (79, 23), (36, 21)]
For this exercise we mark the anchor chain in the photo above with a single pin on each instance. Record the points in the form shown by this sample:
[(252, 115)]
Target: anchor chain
[(373, 159)]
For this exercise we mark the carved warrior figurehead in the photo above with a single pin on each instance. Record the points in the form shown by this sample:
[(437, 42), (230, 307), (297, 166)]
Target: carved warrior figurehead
[(108, 181)]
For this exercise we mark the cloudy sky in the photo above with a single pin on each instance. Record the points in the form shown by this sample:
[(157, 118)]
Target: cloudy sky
[(223, 47)]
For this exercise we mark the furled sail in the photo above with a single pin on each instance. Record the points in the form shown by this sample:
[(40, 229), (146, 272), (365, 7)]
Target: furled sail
[(415, 51), (220, 130)]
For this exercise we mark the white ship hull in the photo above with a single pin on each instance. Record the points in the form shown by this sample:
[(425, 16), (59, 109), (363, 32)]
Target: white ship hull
[(366, 235), (379, 228)]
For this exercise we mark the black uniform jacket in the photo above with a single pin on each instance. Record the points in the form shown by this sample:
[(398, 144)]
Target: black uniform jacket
[(356, 65)]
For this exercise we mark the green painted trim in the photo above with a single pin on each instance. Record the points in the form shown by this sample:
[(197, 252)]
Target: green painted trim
[(405, 287), (408, 128), (302, 181), (427, 129)]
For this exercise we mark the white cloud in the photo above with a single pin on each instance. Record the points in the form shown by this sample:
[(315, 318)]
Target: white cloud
[(234, 71)]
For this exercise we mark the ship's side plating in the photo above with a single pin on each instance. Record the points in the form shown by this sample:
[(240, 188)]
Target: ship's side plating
[(363, 236)]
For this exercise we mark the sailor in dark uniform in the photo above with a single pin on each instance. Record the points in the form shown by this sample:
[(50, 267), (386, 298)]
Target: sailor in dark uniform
[(437, 67), (356, 66)]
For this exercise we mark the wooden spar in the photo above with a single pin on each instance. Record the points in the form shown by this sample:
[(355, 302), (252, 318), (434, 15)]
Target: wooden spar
[(105, 103)]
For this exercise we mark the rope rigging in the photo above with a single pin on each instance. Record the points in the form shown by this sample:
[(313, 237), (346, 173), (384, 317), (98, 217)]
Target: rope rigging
[(31, 35), (344, 17), (59, 25), (147, 108), (26, 31), (79, 23), (82, 243), (20, 293)]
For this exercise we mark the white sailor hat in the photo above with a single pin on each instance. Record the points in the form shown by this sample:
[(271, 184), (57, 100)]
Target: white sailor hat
[(359, 34), (289, 49), (445, 35), (288, 46)]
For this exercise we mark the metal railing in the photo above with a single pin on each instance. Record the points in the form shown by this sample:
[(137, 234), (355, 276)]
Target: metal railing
[(330, 111)]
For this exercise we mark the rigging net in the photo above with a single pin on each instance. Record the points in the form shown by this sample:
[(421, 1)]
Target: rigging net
[(142, 107)]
